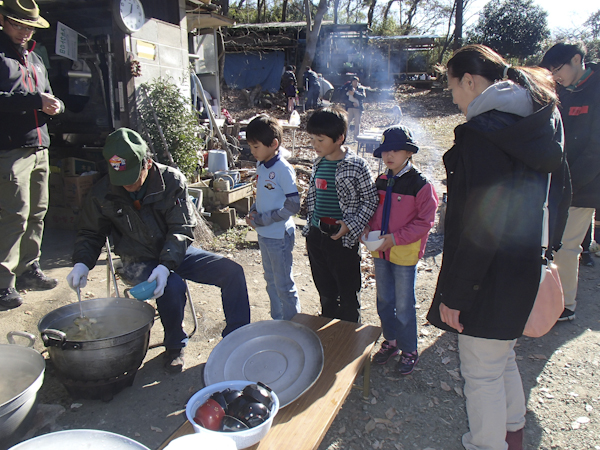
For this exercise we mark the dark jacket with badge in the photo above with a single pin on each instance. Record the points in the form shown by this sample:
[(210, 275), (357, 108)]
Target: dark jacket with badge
[(23, 78), (497, 180), (580, 110), (162, 229)]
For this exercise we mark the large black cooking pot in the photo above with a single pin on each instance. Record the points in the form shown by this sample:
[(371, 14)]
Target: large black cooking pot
[(114, 340), (21, 377)]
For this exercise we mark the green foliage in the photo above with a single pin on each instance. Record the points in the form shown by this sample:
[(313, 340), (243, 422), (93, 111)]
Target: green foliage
[(178, 122), (514, 28)]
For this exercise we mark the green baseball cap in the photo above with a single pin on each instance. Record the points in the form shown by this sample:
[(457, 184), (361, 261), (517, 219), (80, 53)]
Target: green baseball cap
[(124, 151)]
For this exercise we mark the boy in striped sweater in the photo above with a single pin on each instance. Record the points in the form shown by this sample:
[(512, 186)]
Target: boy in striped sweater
[(340, 201)]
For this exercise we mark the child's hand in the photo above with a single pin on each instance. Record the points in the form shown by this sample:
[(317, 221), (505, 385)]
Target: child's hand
[(250, 219), (343, 230), (365, 233), (388, 243)]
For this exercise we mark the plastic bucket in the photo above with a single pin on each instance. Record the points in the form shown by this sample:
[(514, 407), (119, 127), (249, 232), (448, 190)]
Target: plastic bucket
[(217, 161)]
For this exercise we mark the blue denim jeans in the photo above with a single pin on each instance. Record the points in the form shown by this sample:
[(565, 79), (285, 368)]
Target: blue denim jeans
[(203, 267), (396, 303), (277, 262)]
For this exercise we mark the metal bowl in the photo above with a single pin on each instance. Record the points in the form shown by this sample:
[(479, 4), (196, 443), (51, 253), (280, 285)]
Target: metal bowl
[(80, 439)]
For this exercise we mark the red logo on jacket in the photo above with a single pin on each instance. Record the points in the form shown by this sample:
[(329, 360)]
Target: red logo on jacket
[(321, 183), (577, 110)]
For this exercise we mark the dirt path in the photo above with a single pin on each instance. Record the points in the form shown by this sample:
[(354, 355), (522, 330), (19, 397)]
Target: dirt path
[(423, 411)]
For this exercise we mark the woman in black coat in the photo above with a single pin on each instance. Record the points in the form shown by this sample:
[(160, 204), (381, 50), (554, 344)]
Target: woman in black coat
[(497, 181)]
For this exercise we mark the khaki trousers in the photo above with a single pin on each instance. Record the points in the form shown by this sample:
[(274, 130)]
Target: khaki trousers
[(23, 204), (567, 258), (494, 392), (354, 114)]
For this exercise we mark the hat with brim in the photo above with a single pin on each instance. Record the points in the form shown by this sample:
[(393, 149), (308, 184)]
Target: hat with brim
[(395, 139), (124, 151), (25, 12)]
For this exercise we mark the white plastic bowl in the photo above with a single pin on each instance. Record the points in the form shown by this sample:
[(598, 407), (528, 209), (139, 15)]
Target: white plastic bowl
[(373, 242), (199, 441), (242, 439)]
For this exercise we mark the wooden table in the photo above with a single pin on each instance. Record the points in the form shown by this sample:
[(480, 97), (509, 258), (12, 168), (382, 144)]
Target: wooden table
[(303, 423)]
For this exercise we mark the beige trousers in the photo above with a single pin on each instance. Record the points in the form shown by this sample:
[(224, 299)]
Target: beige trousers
[(23, 204), (354, 114), (567, 258), (494, 392)]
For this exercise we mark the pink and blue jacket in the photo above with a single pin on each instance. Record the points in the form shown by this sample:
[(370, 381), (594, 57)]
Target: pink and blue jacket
[(412, 215)]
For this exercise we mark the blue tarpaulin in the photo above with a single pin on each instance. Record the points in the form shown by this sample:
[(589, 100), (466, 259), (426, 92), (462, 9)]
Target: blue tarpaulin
[(246, 70)]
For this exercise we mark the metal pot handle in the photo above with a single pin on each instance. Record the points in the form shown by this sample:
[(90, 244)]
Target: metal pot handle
[(53, 338), (28, 336)]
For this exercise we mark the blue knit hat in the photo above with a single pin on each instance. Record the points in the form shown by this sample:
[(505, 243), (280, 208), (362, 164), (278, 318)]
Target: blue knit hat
[(396, 138)]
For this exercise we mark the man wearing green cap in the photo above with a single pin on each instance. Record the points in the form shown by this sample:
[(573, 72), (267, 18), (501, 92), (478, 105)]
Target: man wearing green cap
[(26, 104), (145, 206)]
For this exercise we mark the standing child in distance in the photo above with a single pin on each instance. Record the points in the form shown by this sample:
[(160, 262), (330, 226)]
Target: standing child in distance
[(290, 88), (277, 200), (406, 213), (340, 201)]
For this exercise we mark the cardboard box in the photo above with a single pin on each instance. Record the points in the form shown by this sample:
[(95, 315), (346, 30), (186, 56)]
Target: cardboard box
[(56, 189), (72, 167), (61, 217), (76, 188)]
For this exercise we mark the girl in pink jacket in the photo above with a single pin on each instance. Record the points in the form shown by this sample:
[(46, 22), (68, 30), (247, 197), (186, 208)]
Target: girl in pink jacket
[(405, 214)]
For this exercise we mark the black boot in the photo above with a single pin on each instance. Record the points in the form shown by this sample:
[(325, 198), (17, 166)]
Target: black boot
[(10, 298), (35, 280)]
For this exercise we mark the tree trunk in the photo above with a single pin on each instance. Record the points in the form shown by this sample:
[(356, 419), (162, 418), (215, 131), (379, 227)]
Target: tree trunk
[(284, 10), (371, 13), (259, 11), (312, 33), (459, 24), (448, 39), (387, 10), (336, 6)]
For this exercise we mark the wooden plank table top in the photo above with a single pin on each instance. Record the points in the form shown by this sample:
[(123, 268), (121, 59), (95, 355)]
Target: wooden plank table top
[(303, 423)]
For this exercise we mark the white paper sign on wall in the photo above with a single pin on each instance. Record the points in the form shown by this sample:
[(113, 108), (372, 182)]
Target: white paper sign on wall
[(66, 41)]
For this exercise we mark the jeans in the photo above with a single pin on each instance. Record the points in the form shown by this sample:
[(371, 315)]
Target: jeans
[(396, 303), (23, 204), (493, 390), (277, 262), (201, 267), (336, 273)]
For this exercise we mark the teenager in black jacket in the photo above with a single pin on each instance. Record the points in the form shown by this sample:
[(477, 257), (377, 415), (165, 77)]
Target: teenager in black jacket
[(497, 180), (579, 95)]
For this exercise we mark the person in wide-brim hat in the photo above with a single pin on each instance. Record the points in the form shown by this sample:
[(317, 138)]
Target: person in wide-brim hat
[(25, 12)]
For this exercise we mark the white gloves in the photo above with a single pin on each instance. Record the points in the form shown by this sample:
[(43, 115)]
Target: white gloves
[(160, 274), (78, 276)]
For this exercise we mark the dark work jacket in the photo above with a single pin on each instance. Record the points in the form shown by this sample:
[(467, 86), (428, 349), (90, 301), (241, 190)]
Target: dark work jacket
[(23, 78), (161, 230), (497, 180), (580, 110)]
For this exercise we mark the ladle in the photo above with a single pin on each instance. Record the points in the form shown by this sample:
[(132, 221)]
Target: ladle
[(79, 298), (83, 323)]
